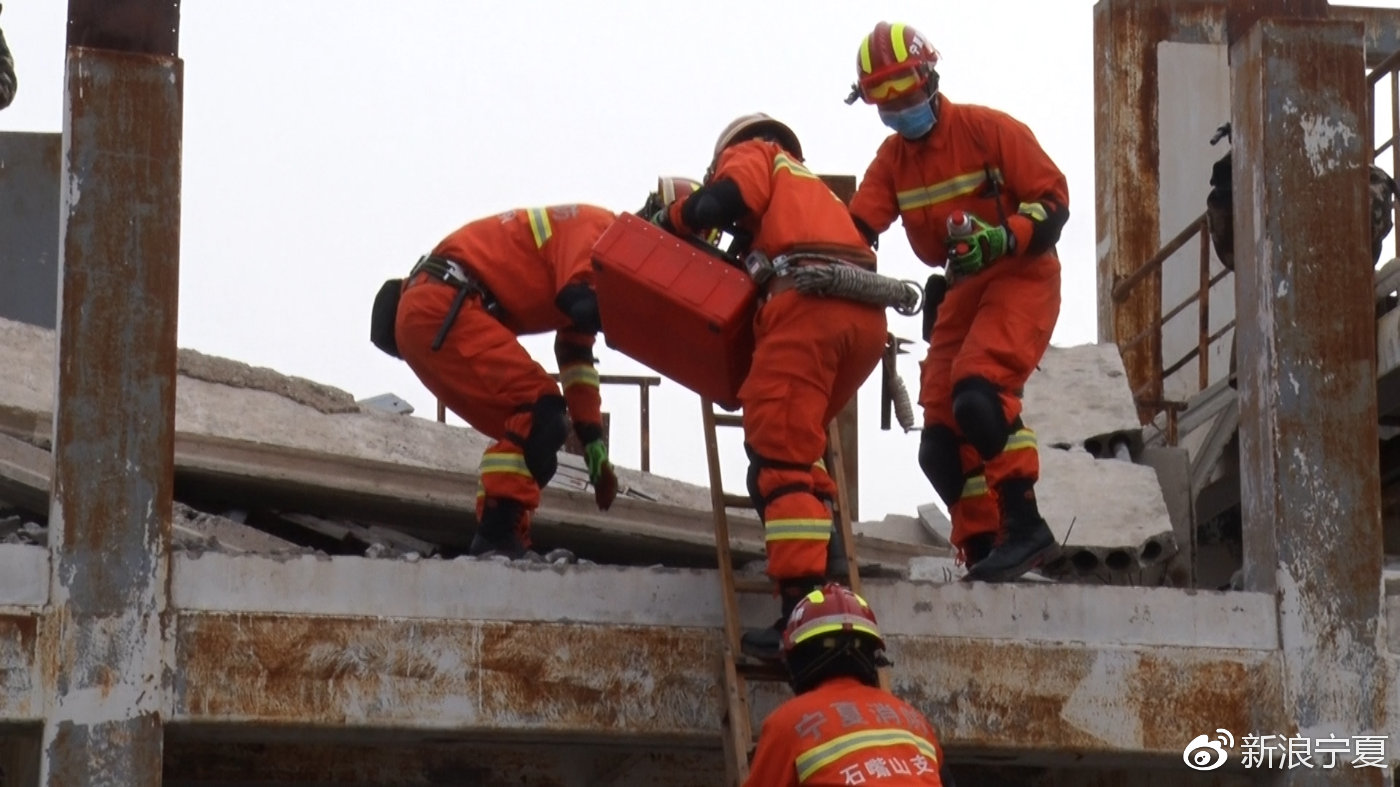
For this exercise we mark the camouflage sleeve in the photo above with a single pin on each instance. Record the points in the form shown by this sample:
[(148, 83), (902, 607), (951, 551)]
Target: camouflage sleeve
[(8, 83)]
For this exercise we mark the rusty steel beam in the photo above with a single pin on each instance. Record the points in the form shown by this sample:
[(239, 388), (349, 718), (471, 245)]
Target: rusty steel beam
[(150, 27), (114, 416), (655, 685), (1242, 15), (1382, 29), (1310, 487)]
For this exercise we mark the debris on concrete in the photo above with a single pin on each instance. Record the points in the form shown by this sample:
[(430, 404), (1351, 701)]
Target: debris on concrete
[(325, 398), (388, 403), (15, 528), (197, 531), (898, 527)]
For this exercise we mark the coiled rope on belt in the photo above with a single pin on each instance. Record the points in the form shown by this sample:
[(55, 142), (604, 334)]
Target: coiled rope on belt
[(840, 279)]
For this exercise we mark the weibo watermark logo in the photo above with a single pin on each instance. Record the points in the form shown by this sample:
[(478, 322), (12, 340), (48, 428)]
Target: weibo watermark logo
[(1204, 753), (1208, 752)]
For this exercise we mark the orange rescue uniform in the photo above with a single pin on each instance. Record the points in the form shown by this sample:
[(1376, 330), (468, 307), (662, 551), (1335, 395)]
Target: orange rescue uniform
[(997, 323), (523, 258), (845, 732), (811, 353)]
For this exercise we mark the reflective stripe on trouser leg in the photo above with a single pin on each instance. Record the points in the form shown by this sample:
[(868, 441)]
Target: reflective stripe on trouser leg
[(797, 525), (1020, 459), (976, 510), (504, 472)]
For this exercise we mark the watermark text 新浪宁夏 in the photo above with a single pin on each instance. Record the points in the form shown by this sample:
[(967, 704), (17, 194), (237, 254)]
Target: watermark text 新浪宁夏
[(1211, 751)]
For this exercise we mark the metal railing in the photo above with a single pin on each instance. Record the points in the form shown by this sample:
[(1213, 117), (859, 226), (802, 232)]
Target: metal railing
[(1145, 396), (643, 384), (1390, 67)]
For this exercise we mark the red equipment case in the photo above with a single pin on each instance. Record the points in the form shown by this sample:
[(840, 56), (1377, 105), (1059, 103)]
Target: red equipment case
[(676, 306)]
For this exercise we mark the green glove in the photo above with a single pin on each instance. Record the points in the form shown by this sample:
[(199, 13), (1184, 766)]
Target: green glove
[(968, 254), (596, 454)]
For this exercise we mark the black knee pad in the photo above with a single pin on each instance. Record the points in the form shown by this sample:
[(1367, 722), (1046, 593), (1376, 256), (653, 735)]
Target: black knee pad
[(756, 464), (751, 480), (549, 427), (977, 409), (938, 456)]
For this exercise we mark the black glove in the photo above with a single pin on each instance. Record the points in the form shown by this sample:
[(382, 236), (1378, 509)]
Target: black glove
[(580, 303)]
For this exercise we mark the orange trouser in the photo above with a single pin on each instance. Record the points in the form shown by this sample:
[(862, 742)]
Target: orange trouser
[(482, 374), (811, 354), (995, 325)]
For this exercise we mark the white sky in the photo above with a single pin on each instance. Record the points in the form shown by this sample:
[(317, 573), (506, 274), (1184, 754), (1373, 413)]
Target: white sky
[(328, 143)]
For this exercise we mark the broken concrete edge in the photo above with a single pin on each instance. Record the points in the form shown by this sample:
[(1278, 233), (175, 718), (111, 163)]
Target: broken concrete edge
[(224, 371)]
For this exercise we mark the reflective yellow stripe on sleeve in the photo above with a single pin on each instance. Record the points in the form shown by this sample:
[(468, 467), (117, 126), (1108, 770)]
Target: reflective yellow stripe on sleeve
[(540, 226), (579, 375), (924, 196)]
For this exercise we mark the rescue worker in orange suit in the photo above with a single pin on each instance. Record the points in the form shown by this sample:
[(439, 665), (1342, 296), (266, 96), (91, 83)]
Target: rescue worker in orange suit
[(841, 727), (1003, 297), (462, 307), (811, 353)]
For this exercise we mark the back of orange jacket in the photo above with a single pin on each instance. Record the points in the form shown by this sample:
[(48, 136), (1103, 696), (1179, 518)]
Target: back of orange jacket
[(526, 256), (845, 732), (797, 210)]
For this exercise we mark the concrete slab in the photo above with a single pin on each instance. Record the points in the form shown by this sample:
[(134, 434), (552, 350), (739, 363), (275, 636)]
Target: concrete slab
[(898, 528), (1120, 531), (935, 523), (1079, 395), (468, 589), (222, 398), (553, 681), (24, 575)]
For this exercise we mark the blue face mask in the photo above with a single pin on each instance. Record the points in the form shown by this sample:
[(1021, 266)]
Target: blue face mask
[(912, 122)]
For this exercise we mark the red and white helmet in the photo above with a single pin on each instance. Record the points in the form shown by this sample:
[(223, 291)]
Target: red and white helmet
[(894, 61), (831, 610)]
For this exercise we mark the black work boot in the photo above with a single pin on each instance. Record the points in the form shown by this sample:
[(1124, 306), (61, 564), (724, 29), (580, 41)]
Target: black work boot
[(767, 643), (976, 548), (1028, 541), (499, 532)]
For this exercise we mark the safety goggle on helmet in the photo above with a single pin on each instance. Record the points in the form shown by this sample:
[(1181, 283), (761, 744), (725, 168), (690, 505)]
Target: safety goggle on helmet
[(894, 61)]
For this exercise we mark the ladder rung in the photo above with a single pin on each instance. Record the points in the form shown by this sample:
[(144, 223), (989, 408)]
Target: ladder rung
[(728, 419), (761, 585), (737, 501)]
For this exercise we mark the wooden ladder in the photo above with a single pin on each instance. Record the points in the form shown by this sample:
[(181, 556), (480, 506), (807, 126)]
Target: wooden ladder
[(738, 669)]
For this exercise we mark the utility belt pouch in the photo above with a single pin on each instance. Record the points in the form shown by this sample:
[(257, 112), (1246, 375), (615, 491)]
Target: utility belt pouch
[(382, 317)]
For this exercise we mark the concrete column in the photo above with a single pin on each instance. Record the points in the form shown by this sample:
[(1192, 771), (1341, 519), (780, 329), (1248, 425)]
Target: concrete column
[(1310, 487), (114, 418)]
